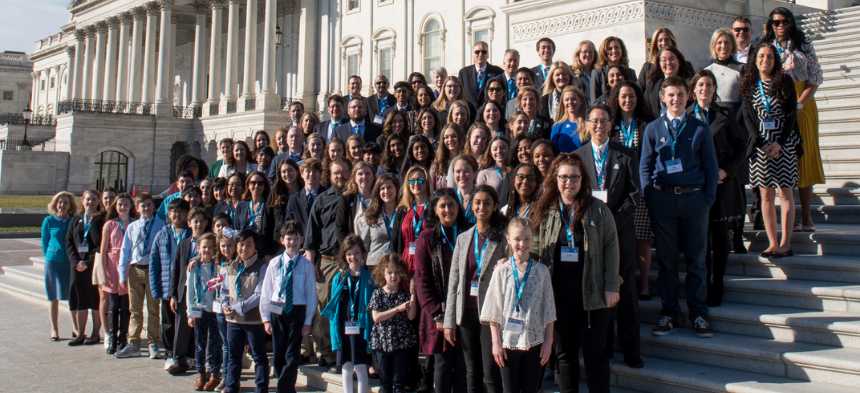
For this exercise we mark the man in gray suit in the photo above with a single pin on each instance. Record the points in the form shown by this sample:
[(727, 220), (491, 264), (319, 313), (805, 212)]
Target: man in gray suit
[(357, 124), (546, 50), (335, 112), (379, 102)]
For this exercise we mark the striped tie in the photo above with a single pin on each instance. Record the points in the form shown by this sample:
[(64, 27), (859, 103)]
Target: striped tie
[(287, 287)]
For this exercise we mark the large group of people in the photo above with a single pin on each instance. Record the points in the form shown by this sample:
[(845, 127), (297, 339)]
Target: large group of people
[(493, 225)]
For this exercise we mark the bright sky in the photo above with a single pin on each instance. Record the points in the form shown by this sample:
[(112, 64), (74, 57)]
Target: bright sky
[(25, 22)]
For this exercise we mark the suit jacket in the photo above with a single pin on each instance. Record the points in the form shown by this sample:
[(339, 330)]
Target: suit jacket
[(510, 108), (539, 79), (504, 81), (469, 78), (179, 270), (543, 127), (297, 208), (371, 131), (544, 106), (267, 225), (372, 105), (323, 127), (459, 285), (598, 81)]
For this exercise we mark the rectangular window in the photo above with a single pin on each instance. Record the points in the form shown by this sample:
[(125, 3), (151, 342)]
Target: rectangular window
[(8, 95), (53, 82), (482, 35), (432, 52), (42, 86), (352, 5), (352, 65), (385, 63)]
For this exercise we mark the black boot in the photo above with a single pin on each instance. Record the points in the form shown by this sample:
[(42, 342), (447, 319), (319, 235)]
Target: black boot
[(738, 239), (715, 294), (112, 329)]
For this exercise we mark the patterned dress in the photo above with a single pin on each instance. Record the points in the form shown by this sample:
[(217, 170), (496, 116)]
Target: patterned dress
[(780, 172), (641, 221), (395, 333)]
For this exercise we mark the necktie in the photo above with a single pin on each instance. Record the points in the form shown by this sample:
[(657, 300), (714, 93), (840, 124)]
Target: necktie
[(480, 78), (512, 89), (358, 130), (545, 69), (675, 124), (142, 240), (296, 157), (310, 201), (288, 287)]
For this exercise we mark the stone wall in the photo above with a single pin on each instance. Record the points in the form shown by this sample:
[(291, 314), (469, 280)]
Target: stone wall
[(32, 173)]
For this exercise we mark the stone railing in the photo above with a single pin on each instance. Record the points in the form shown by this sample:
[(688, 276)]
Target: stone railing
[(35, 145), (101, 106), (287, 101), (16, 119), (231, 107), (187, 112)]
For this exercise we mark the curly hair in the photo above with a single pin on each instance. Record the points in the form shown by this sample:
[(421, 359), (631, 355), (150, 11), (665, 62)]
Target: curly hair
[(640, 112), (394, 262), (73, 207), (750, 78)]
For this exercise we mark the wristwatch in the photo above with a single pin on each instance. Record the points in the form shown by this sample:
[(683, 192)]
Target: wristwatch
[(799, 105)]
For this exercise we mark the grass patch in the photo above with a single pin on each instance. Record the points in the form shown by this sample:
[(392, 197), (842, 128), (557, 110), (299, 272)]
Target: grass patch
[(25, 201), (20, 229)]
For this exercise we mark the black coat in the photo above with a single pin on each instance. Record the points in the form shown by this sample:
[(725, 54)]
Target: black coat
[(372, 105), (598, 81), (542, 128), (646, 69), (267, 224), (371, 131), (179, 269), (469, 78), (789, 108)]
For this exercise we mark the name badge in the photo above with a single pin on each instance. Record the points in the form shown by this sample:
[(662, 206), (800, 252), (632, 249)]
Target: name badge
[(603, 195), (473, 289), (769, 124), (674, 166), (411, 248), (569, 254), (378, 119), (351, 328), (515, 325), (386, 251), (276, 308), (216, 308), (195, 312), (83, 248)]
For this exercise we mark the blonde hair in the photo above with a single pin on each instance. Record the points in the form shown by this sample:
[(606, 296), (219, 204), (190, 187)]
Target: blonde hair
[(716, 37), (441, 103), (406, 197), (466, 148), (652, 52), (603, 59), (516, 222), (578, 68), (549, 83), (73, 207)]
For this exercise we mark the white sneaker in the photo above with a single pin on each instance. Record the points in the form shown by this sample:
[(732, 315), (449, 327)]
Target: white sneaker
[(129, 351), (169, 363), (107, 344), (191, 363), (555, 379), (153, 351)]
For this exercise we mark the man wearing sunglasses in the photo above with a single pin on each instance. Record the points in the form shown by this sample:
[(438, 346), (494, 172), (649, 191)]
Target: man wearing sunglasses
[(379, 102), (742, 29), (475, 78)]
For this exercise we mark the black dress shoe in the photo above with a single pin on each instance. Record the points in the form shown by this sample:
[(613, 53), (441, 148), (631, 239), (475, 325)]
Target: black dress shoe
[(306, 359), (777, 255), (78, 341), (644, 297), (322, 363), (634, 362), (766, 254)]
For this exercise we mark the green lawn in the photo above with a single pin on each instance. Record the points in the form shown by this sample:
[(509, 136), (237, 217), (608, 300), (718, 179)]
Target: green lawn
[(20, 229), (25, 201)]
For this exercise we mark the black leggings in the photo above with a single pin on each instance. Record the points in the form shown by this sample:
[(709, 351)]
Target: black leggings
[(119, 317), (717, 256), (448, 372), (572, 333), (522, 371), (477, 342)]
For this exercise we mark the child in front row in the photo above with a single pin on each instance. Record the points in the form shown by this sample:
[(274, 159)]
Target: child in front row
[(287, 304), (349, 321), (200, 296), (520, 309), (392, 307), (240, 301)]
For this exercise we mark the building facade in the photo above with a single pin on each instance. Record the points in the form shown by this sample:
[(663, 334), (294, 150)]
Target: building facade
[(15, 82), (135, 84)]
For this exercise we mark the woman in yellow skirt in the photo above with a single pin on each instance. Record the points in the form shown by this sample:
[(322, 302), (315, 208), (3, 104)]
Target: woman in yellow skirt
[(801, 63)]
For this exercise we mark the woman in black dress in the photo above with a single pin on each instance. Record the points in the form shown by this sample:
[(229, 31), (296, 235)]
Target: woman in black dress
[(670, 63), (82, 243)]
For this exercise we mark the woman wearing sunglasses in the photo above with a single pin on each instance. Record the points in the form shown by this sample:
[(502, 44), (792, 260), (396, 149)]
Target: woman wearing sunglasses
[(252, 213)]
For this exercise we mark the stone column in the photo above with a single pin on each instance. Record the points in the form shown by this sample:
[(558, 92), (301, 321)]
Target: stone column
[(122, 66), (199, 49), (148, 95), (307, 59), (99, 62), (111, 59), (171, 69), (231, 78), (87, 80), (163, 105), (214, 96), (34, 95), (135, 76), (68, 88), (78, 77), (250, 68), (56, 95), (268, 98)]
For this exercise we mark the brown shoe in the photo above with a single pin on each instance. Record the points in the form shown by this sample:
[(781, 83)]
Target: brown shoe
[(667, 325), (221, 386), (214, 381), (202, 379), (702, 328)]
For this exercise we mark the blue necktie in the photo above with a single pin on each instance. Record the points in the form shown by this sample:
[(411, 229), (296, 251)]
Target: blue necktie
[(288, 287), (358, 130), (675, 124), (296, 157), (310, 201), (480, 79), (512, 89), (545, 69)]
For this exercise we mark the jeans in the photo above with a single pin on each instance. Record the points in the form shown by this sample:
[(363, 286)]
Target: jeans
[(522, 371), (680, 223), (392, 370), (448, 372), (477, 341), (138, 292), (287, 343), (222, 328), (256, 335), (208, 340)]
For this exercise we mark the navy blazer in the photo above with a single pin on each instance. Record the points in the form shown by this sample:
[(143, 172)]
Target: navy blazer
[(323, 127), (371, 131), (539, 79), (179, 269), (297, 208), (267, 224), (469, 78)]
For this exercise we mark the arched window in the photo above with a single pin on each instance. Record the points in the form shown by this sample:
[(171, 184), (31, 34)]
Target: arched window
[(432, 46), (111, 170)]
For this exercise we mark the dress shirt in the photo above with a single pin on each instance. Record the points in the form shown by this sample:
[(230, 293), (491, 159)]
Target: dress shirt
[(353, 125), (129, 255), (742, 56), (304, 286)]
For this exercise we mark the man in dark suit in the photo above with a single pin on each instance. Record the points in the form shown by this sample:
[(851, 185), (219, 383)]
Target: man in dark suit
[(357, 124), (335, 111), (404, 103), (300, 203), (378, 103), (508, 78), (475, 77), (546, 50), (614, 173), (525, 77)]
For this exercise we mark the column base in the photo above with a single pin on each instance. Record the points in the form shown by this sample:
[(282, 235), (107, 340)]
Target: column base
[(210, 108), (246, 104), (227, 106), (163, 110), (269, 101)]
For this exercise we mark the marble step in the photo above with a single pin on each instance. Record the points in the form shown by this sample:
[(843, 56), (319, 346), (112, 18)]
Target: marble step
[(828, 239), (26, 289), (36, 274), (822, 195), (806, 362)]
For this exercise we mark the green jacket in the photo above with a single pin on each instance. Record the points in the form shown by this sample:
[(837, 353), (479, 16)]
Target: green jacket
[(214, 168), (600, 257)]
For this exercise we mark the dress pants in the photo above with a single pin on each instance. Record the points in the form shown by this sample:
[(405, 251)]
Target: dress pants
[(138, 292), (183, 339), (448, 375), (168, 323), (392, 370), (287, 342), (577, 329), (522, 371), (477, 342), (321, 331), (237, 333), (680, 223), (628, 306)]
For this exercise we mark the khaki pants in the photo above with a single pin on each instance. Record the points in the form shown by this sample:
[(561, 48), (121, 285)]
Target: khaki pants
[(138, 290), (321, 331)]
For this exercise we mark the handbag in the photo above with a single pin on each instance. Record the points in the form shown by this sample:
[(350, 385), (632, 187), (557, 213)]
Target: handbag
[(98, 270)]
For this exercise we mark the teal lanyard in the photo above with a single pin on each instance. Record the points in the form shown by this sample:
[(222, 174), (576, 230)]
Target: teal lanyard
[(627, 131), (520, 285), (529, 207), (178, 238), (256, 213), (672, 136), (121, 226), (87, 226), (707, 117), (499, 172), (353, 295), (450, 243), (416, 225), (567, 223), (388, 223), (764, 98), (361, 198), (479, 255), (600, 163), (469, 215), (239, 279), (199, 283)]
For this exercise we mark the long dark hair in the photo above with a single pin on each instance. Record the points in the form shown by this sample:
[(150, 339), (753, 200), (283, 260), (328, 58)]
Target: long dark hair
[(387, 128), (430, 217), (280, 190), (513, 157), (410, 160), (750, 78), (267, 189), (703, 73), (551, 196), (514, 195), (209, 198), (503, 122), (376, 208), (498, 222), (657, 72), (796, 36), (388, 161), (641, 110), (112, 209)]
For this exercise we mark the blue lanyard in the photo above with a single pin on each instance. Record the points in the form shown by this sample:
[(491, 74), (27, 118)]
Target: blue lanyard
[(499, 172), (479, 255), (230, 209), (121, 227), (353, 294), (699, 116), (600, 163), (194, 250), (567, 222), (361, 198), (627, 131), (177, 239), (238, 279), (383, 104), (388, 223), (529, 207), (520, 285), (450, 244), (285, 261), (532, 128), (256, 214), (672, 136), (469, 215), (201, 288), (417, 225), (87, 226), (587, 78), (764, 98), (779, 47)]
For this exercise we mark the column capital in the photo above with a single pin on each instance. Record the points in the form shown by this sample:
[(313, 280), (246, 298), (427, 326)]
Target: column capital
[(91, 31), (200, 7), (80, 34), (217, 4), (56, 68), (166, 5), (70, 50), (152, 8), (174, 18), (102, 27), (234, 1), (34, 75), (139, 13), (125, 17), (113, 22)]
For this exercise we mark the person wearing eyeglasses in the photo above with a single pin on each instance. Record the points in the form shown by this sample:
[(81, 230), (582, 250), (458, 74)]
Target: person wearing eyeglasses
[(475, 77), (336, 117), (379, 102), (678, 174), (545, 48), (496, 91), (358, 123), (670, 63), (742, 29), (576, 238), (525, 192), (614, 173), (403, 102)]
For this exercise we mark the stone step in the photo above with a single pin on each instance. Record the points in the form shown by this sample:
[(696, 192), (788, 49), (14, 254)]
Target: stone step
[(677, 376), (831, 328), (26, 289), (828, 239), (838, 98), (33, 273), (837, 39), (841, 161), (822, 195), (38, 262), (841, 178), (829, 30), (825, 214), (806, 362)]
